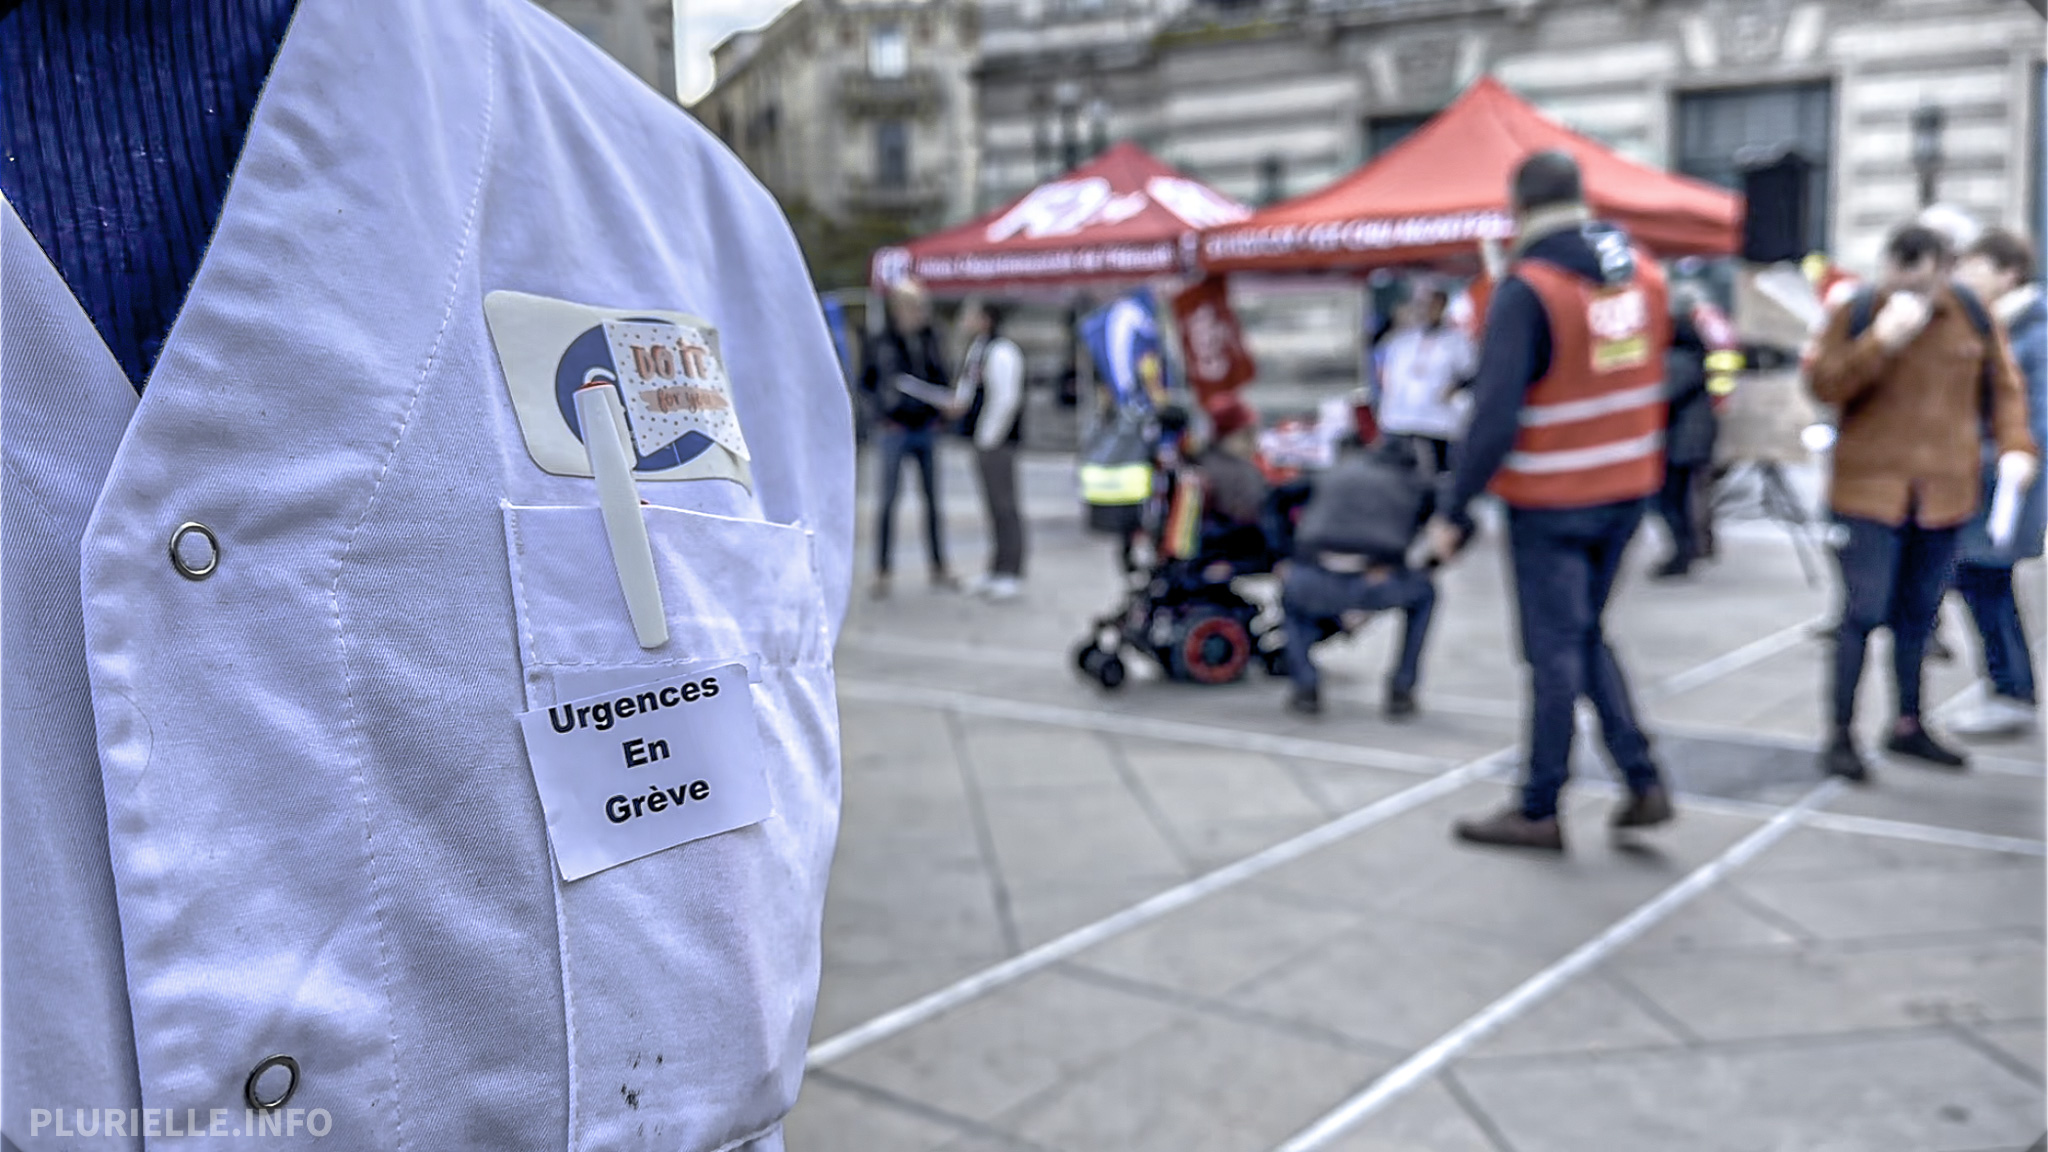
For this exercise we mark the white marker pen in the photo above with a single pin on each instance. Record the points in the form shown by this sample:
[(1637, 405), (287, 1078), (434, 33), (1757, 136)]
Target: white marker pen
[(603, 420)]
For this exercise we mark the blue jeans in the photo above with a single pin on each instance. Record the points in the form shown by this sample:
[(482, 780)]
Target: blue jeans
[(1565, 561), (1892, 577), (1313, 598), (1987, 589), (921, 445)]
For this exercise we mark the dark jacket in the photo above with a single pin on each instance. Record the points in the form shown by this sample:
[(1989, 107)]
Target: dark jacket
[(1514, 356), (2028, 335), (893, 353), (1689, 440), (1368, 504)]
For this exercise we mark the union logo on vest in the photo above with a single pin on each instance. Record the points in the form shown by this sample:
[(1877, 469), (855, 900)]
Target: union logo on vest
[(680, 419)]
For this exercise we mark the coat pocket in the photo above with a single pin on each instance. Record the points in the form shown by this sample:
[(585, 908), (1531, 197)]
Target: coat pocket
[(690, 976)]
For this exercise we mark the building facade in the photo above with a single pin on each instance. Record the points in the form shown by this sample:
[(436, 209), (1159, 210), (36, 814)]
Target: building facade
[(639, 34), (855, 109), (1271, 98)]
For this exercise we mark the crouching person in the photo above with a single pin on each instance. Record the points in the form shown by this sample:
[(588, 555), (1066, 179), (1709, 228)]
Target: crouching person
[(1350, 560)]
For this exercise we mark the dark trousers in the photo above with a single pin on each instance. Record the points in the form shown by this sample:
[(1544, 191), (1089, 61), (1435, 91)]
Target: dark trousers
[(998, 468), (921, 445), (1987, 589), (1679, 504), (1891, 578), (1565, 563), (1313, 599)]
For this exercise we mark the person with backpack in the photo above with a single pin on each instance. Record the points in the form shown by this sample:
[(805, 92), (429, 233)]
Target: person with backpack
[(1999, 270), (1917, 371), (905, 378)]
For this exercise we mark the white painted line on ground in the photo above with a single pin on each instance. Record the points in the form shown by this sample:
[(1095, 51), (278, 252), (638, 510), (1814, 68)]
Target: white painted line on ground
[(1883, 829), (1872, 826), (919, 1011), (996, 655), (1430, 1060), (1754, 652), (1147, 727)]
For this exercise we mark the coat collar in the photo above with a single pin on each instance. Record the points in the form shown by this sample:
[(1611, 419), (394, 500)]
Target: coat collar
[(355, 197)]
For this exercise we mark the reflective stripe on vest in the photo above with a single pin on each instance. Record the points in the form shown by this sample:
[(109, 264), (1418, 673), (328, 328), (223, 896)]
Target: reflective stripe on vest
[(1115, 484), (1592, 429)]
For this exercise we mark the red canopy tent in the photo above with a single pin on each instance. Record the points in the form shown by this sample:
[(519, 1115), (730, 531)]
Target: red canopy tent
[(1432, 196), (1123, 217)]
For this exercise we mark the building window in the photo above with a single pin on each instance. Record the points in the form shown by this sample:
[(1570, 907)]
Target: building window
[(888, 55), (1383, 132), (892, 154), (1272, 180), (1717, 130)]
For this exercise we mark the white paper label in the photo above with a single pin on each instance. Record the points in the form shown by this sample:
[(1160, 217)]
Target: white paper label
[(634, 770)]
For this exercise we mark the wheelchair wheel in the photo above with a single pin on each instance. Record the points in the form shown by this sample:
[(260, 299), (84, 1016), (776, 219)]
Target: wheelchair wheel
[(1087, 657), (1110, 672), (1212, 648)]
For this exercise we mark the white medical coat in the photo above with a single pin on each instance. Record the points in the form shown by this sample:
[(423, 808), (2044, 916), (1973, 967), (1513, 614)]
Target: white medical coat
[(286, 809), (1419, 373)]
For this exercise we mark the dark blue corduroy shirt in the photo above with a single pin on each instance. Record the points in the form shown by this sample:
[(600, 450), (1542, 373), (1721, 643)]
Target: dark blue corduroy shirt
[(120, 122)]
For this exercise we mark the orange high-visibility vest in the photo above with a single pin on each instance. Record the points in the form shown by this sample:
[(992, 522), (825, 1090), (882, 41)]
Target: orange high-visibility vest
[(1593, 427)]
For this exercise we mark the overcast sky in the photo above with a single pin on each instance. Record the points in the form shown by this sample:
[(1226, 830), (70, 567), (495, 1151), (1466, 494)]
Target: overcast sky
[(705, 23)]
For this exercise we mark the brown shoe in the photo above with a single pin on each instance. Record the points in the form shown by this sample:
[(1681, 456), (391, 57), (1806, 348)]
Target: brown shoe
[(945, 581), (1510, 829), (1645, 809)]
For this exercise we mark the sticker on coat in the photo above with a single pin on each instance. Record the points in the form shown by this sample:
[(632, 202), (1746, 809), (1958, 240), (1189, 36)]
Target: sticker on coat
[(636, 769), (667, 368)]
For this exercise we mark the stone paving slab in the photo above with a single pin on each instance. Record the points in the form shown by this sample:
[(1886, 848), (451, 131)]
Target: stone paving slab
[(1927, 1091), (1821, 990), (1217, 945), (2025, 1043), (1206, 1084), (1869, 906), (996, 1054), (1428, 1119), (832, 1118)]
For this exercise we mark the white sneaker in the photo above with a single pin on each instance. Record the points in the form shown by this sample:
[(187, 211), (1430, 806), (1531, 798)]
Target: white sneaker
[(979, 586), (1995, 716), (1004, 588)]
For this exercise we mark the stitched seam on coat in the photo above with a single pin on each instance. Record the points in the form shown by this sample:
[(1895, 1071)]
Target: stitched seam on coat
[(464, 250)]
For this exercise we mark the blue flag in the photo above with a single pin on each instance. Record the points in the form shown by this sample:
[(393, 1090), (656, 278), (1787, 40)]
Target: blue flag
[(1123, 337)]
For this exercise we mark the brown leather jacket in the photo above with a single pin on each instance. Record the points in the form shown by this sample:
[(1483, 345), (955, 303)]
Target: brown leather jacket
[(1912, 421)]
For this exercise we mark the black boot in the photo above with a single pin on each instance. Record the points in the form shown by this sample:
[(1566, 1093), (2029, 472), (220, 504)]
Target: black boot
[(1842, 759), (1306, 701), (1400, 703), (1915, 744)]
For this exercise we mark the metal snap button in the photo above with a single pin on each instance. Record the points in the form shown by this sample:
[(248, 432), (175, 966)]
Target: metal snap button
[(261, 1090), (195, 550)]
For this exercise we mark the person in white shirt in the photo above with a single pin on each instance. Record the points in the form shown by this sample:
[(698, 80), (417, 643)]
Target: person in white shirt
[(990, 393), (1424, 362)]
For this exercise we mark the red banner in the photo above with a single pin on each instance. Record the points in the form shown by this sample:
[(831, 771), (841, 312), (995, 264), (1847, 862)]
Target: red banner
[(1212, 343)]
